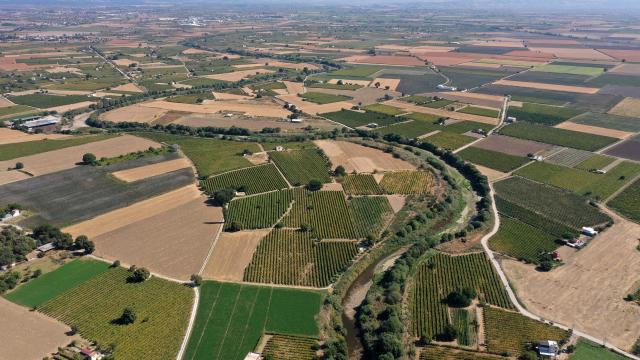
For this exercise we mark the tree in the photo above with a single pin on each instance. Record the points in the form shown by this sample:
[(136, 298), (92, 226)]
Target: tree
[(88, 159), (448, 334), (115, 264), (340, 171), (235, 226), (461, 297), (139, 275), (196, 280), (83, 242), (314, 185), (19, 165), (128, 317), (223, 196)]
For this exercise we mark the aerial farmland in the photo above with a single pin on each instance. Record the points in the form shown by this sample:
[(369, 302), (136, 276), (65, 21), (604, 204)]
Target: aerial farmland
[(283, 181)]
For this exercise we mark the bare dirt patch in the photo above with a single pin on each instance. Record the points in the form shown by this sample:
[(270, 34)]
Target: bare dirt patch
[(227, 96), (313, 108), (587, 292), (397, 202), (4, 102), (384, 82), (238, 75), (333, 186), (294, 88), (147, 171), (627, 107), (12, 176), (510, 145), (360, 159), (130, 87), (64, 108), (134, 113), (491, 174), (57, 160), (594, 130), (543, 86), (628, 55), (9, 136), (232, 254), (573, 53), (385, 60), (124, 62), (29, 334), (258, 158), (439, 112)]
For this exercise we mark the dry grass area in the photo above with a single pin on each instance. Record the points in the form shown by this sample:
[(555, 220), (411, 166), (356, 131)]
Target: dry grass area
[(64, 108), (573, 53), (628, 55), (57, 160), (12, 176), (294, 88), (232, 253), (397, 202), (238, 75), (627, 107), (409, 107), (29, 334), (130, 87), (626, 69), (313, 108), (350, 82), (124, 62), (9, 136), (5, 103), (587, 292), (134, 113), (249, 107), (227, 96), (147, 171), (491, 174), (384, 82), (391, 60), (543, 86), (360, 159), (568, 125), (170, 234)]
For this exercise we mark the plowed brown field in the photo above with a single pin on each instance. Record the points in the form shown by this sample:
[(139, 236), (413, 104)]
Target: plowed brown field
[(232, 254), (360, 158)]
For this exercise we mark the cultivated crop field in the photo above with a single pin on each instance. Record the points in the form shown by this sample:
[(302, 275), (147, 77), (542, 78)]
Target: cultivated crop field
[(360, 184), (555, 136), (480, 111), (370, 214), (627, 202), (326, 213), (384, 109), (586, 350), (510, 332), (542, 114), (434, 283), (408, 182), (22, 149), (522, 241), (289, 347), (292, 257), (524, 215), (569, 157), (253, 180), (43, 101), (361, 159), (449, 140), (231, 318), (46, 287), (356, 119), (260, 211), (412, 129), (596, 161), (492, 159), (93, 306), (323, 98), (609, 121), (432, 352), (301, 166)]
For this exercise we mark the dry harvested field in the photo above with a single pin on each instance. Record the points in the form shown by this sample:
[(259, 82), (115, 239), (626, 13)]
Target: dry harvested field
[(532, 55), (397, 202), (384, 60), (491, 174), (124, 62), (4, 102), (313, 108), (134, 113), (64, 108), (510, 145), (384, 82), (294, 88), (492, 101), (57, 160), (543, 86), (628, 55), (232, 253), (8, 136), (280, 64), (12, 176), (626, 69), (29, 335), (249, 122), (10, 64), (130, 87), (448, 58), (352, 82), (573, 53), (227, 96), (587, 292), (568, 125), (147, 171), (360, 159), (255, 108), (627, 107), (238, 75), (170, 234), (439, 112), (364, 95)]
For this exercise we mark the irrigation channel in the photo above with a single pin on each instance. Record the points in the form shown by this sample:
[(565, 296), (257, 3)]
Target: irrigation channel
[(356, 295)]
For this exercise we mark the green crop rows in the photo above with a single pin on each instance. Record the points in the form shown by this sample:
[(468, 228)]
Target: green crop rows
[(361, 184), (542, 114), (627, 202), (355, 119), (325, 213), (289, 347), (522, 241), (231, 318), (554, 136), (539, 221), (260, 211), (510, 332), (384, 109), (292, 257), (323, 98), (558, 204), (301, 166), (370, 214), (492, 159), (432, 352), (12, 151), (93, 306), (408, 182), (474, 110), (442, 274), (253, 180), (449, 140)]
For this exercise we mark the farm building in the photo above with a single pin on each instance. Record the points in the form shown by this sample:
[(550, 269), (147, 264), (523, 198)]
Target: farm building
[(11, 214), (45, 123), (252, 356), (548, 348)]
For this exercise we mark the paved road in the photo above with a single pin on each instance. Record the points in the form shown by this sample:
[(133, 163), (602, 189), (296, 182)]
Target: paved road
[(512, 295)]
